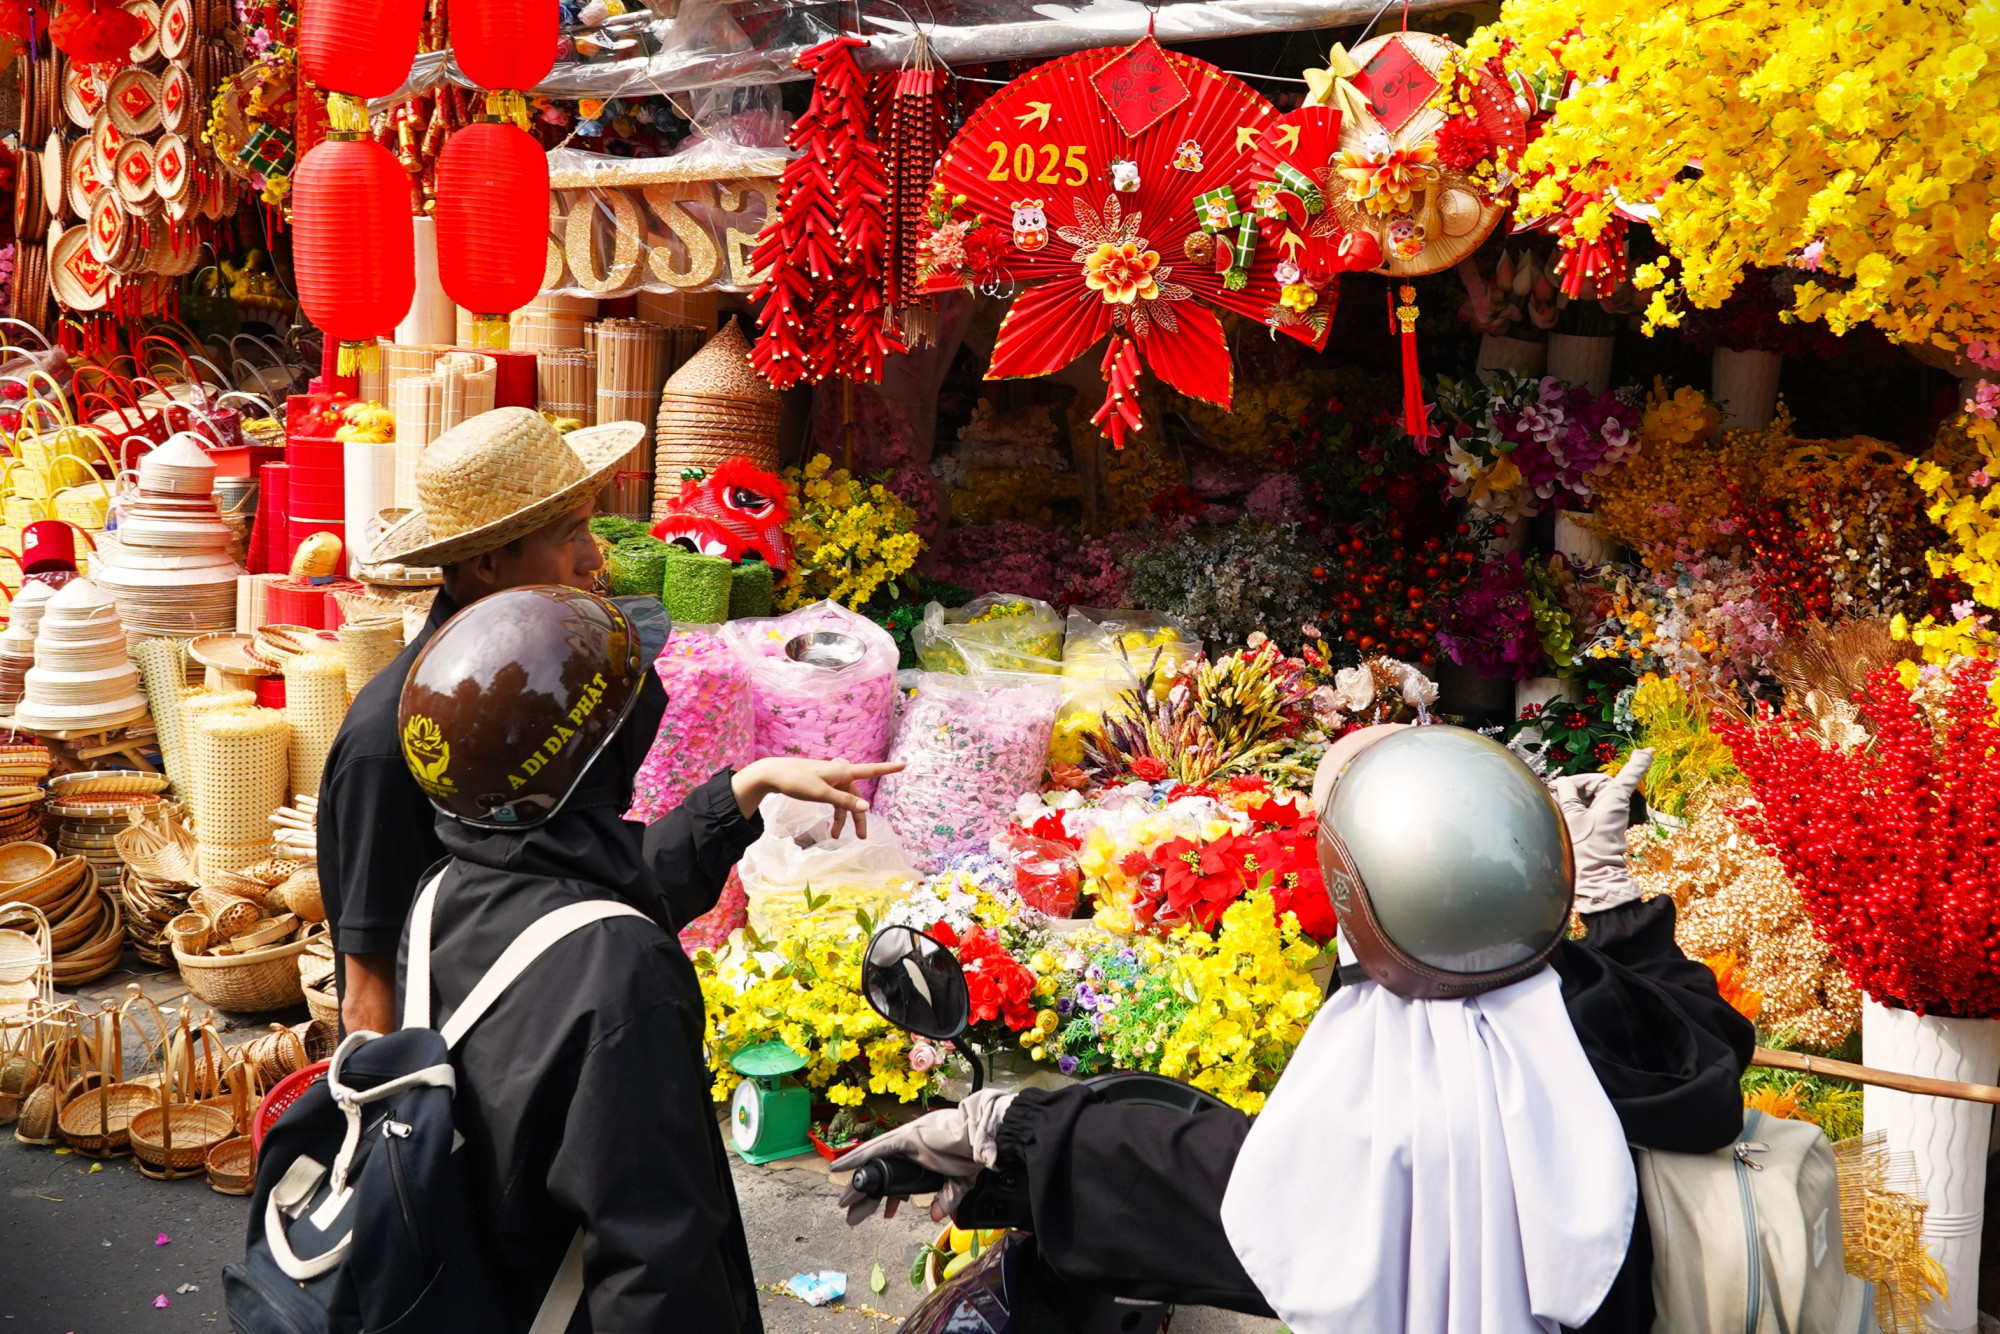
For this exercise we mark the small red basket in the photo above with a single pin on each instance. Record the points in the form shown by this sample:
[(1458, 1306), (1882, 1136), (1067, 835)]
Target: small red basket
[(282, 1095)]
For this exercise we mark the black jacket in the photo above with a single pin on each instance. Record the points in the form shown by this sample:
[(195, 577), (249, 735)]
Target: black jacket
[(583, 1093), (1128, 1200)]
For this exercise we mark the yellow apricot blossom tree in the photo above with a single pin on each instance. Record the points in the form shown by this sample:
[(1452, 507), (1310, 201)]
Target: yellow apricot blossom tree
[(1858, 138)]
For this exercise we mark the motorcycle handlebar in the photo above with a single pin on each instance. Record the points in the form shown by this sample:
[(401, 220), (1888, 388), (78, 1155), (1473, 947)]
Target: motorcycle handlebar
[(886, 1177)]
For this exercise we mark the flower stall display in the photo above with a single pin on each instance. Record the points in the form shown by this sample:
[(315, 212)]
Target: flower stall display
[(851, 541), (1380, 690), (1958, 486), (1517, 443), (1886, 845)]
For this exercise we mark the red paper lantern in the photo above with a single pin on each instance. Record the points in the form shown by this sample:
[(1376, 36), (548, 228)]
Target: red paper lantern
[(492, 210), (353, 245), (360, 47), (507, 44)]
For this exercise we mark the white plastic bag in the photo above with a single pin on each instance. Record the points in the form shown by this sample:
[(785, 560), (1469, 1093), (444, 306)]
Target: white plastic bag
[(799, 854)]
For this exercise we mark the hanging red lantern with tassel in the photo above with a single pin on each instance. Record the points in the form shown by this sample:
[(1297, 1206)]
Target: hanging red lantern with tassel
[(96, 32), (353, 244), (508, 44), (492, 195), (360, 47)]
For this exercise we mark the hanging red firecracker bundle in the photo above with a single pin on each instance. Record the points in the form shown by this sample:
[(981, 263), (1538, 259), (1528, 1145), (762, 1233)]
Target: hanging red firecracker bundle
[(492, 193), (360, 47), (912, 124), (96, 32), (824, 252), (353, 244)]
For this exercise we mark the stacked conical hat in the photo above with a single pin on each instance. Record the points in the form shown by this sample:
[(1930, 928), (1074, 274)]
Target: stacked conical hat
[(716, 407), (81, 679), (17, 645), (170, 568)]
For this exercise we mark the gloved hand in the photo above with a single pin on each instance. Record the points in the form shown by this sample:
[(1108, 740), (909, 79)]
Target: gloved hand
[(1596, 807), (955, 1143)]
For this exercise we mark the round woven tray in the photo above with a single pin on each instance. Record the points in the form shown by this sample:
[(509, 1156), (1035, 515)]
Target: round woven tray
[(232, 1166), (95, 1124)]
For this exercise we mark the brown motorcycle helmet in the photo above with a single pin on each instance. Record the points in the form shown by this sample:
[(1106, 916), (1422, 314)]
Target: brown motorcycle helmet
[(513, 698)]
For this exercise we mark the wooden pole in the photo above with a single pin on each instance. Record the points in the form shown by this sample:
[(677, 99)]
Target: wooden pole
[(1861, 1074)]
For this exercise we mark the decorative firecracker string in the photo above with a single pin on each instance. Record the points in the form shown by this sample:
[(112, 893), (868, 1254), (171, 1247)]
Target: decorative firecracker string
[(825, 251), (912, 129)]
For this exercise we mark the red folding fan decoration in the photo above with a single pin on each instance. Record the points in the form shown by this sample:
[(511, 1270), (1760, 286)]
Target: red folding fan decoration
[(1136, 236)]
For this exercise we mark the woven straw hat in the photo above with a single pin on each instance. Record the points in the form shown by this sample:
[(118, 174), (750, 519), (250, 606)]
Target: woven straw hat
[(499, 476)]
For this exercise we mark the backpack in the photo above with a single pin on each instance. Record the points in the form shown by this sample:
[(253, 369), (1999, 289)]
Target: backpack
[(360, 1223), (1746, 1240)]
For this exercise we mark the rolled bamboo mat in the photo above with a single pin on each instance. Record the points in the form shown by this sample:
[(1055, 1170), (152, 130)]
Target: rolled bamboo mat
[(550, 321), (163, 669), (566, 383), (631, 367), (253, 601), (698, 309), (315, 702), (366, 647), (457, 386), (240, 754)]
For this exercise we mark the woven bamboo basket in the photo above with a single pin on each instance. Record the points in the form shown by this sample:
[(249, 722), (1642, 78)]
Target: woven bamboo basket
[(715, 407), (315, 702), (232, 1166), (189, 932), (229, 915), (172, 1136), (266, 979), (241, 755), (96, 1122), (366, 647), (99, 954)]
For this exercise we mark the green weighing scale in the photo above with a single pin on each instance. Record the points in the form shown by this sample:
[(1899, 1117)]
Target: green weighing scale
[(770, 1111)]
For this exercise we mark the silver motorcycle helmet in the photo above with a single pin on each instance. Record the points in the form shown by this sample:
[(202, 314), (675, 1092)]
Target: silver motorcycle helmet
[(1446, 858)]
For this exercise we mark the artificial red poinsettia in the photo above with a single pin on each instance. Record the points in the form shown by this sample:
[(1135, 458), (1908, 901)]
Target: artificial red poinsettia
[(1000, 987)]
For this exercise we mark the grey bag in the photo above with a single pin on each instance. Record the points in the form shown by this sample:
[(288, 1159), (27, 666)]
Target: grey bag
[(1746, 1240)]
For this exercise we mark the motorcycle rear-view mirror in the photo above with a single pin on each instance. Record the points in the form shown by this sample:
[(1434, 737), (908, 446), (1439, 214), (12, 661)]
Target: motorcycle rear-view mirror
[(915, 983)]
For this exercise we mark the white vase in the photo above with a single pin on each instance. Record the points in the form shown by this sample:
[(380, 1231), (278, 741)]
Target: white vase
[(1948, 1138), (1523, 356), (1541, 689), (1582, 545), (1745, 386), (1582, 359)]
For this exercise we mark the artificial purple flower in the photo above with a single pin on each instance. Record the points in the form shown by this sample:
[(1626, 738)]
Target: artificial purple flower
[(1066, 1064)]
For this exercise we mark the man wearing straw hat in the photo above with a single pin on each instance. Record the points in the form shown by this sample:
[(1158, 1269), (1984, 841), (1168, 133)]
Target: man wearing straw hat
[(504, 502)]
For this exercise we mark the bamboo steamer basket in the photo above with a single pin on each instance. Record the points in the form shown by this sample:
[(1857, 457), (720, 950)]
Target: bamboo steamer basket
[(262, 980), (715, 407)]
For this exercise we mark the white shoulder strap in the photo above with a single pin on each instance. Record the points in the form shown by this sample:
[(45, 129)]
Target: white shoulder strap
[(559, 1302), (417, 972), (527, 948)]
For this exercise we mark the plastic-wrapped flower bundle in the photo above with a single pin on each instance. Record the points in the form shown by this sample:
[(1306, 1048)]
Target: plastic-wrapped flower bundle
[(999, 632), (971, 746), (707, 724), (812, 708)]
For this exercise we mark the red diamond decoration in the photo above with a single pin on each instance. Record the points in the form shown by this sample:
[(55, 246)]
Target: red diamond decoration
[(135, 169), (169, 164), (1139, 86), (136, 100), (177, 24), (173, 95), (1396, 84), (87, 269)]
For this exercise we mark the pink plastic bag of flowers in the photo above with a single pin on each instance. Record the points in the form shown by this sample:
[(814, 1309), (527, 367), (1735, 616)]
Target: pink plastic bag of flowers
[(707, 725), (813, 708)]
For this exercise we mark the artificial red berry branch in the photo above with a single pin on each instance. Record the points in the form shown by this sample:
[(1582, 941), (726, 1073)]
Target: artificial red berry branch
[(824, 253), (1890, 843)]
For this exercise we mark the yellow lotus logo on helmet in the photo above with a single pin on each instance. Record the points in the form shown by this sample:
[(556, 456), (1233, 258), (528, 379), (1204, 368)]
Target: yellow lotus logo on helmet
[(428, 755)]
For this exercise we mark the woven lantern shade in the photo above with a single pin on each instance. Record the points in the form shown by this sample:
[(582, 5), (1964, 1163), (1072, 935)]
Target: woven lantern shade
[(714, 408), (492, 205), (353, 244), (504, 43), (363, 48)]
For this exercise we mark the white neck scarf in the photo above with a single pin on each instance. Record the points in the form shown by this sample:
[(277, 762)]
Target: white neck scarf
[(1435, 1167)]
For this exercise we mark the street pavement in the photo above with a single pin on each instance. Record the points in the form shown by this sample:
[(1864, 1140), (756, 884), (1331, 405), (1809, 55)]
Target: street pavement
[(87, 1251)]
